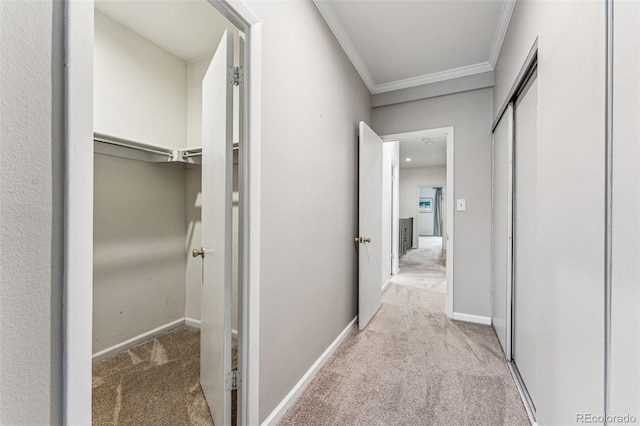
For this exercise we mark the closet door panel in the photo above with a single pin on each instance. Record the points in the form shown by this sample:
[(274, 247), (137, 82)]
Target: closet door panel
[(525, 237), (502, 166), (217, 181)]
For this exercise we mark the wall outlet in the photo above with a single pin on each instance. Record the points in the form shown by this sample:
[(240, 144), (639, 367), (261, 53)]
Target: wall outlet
[(461, 205)]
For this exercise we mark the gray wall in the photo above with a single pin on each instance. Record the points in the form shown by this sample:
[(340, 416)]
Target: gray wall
[(625, 380), (139, 248), (570, 212), (31, 212), (411, 179), (470, 115), (139, 208), (312, 100)]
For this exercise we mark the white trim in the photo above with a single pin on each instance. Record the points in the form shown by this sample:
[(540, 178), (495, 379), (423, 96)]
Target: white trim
[(435, 77), (509, 311), (472, 318), (129, 343), (343, 38), (501, 31), (451, 197), (334, 23), (450, 132), (249, 283), (78, 285), (302, 384), (77, 310), (524, 399), (386, 284), (190, 322)]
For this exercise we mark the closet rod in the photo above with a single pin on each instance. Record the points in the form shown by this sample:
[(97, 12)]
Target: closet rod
[(198, 152), (189, 154), (126, 143)]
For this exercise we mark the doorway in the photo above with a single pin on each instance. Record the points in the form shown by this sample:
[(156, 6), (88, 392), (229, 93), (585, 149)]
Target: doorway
[(425, 176), (79, 310), (157, 324)]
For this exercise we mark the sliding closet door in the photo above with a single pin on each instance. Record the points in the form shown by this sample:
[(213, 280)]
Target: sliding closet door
[(525, 236), (217, 180), (502, 214)]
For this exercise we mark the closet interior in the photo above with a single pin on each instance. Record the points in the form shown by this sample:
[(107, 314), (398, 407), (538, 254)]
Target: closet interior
[(149, 62)]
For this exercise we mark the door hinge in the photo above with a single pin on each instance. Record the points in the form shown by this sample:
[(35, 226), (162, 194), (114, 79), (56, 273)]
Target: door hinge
[(232, 381), (236, 75)]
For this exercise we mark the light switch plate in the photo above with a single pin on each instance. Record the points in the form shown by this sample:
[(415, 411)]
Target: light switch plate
[(461, 205)]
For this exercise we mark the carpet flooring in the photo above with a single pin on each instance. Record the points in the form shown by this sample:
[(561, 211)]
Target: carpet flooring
[(412, 365), (156, 382)]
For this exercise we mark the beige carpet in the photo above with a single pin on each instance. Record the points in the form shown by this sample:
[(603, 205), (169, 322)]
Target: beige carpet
[(412, 365), (154, 383)]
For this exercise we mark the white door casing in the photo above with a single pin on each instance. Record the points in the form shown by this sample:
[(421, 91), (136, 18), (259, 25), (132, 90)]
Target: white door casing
[(217, 179), (369, 240)]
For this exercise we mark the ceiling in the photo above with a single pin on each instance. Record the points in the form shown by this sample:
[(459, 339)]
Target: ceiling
[(424, 152), (400, 44), (187, 29)]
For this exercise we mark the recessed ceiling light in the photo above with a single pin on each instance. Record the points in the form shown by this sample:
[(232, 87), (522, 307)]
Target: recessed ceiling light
[(407, 159)]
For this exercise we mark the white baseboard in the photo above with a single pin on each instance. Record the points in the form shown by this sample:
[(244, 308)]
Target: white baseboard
[(302, 384), (106, 353), (190, 322), (385, 285), (472, 318)]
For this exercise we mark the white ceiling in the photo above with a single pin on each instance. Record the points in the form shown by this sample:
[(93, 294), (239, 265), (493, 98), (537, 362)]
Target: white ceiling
[(424, 152), (399, 44), (188, 29)]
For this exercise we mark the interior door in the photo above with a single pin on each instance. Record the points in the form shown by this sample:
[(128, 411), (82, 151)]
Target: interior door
[(370, 225), (525, 261), (217, 167), (502, 229)]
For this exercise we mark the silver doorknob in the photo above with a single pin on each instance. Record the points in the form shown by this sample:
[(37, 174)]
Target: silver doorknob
[(363, 240), (198, 252)]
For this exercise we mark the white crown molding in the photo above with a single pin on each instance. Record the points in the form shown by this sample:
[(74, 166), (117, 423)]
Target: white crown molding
[(501, 31), (338, 30), (435, 77), (327, 12)]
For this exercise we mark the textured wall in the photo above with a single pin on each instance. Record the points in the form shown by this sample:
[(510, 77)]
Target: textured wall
[(31, 226), (470, 115), (570, 198), (312, 100), (139, 253)]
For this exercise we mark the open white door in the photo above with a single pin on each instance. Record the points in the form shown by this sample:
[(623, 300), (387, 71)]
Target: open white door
[(217, 164), (370, 226)]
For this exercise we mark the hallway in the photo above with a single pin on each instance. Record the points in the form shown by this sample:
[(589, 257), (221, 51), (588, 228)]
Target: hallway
[(412, 365)]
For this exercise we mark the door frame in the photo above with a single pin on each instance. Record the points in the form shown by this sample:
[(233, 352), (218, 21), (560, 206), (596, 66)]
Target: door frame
[(508, 114), (78, 227), (449, 131)]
